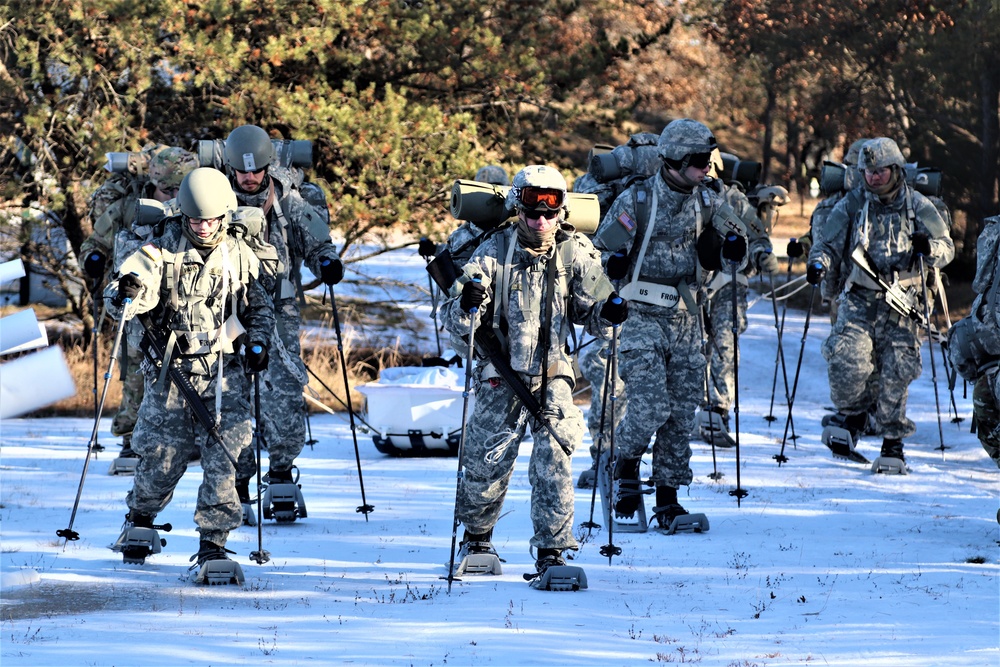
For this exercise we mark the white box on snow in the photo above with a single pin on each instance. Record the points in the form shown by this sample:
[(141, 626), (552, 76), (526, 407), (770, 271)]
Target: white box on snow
[(416, 408)]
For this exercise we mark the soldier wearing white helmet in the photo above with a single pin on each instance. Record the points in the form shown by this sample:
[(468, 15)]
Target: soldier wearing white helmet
[(529, 284)]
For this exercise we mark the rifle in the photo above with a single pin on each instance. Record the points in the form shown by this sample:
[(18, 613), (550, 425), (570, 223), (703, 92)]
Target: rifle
[(898, 299), (489, 347), (154, 347)]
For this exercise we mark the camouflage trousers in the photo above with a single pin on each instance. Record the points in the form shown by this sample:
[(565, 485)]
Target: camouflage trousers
[(133, 384), (491, 444), (166, 436), (986, 412), (663, 369), (594, 364), (870, 338), (722, 346), (282, 406)]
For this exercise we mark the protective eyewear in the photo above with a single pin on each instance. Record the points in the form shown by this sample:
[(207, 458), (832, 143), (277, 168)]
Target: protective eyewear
[(881, 172), (542, 198), (255, 171), (699, 160)]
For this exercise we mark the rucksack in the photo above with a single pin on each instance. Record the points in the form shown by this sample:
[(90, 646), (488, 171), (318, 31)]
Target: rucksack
[(609, 173)]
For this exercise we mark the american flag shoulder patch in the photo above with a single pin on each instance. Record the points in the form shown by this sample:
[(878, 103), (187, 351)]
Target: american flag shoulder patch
[(626, 221), (152, 251)]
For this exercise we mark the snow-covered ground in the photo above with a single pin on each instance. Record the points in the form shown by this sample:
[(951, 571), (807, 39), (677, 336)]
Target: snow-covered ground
[(822, 563)]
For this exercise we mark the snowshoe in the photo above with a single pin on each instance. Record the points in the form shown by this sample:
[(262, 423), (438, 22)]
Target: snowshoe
[(249, 513), (672, 518), (587, 478), (215, 568), (127, 460), (139, 539), (553, 574), (283, 499), (841, 441), (890, 460), (478, 556), (619, 496), (713, 426)]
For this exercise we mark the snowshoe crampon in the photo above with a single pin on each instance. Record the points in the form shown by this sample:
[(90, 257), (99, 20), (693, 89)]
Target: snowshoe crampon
[(554, 575), (687, 523), (215, 568), (888, 465), (283, 502), (841, 443), (474, 564), (135, 544), (612, 491)]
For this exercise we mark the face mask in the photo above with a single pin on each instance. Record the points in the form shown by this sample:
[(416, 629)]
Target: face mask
[(536, 235)]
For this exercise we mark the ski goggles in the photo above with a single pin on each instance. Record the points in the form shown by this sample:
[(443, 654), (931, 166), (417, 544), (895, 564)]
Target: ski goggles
[(542, 198), (699, 160)]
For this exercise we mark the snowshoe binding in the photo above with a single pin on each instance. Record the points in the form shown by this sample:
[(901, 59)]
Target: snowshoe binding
[(283, 499), (713, 426), (215, 568), (553, 574), (622, 494), (672, 518), (841, 436), (891, 460), (127, 459), (478, 555), (139, 539)]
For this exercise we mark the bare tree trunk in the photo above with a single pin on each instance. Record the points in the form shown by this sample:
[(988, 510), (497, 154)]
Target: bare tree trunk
[(767, 120)]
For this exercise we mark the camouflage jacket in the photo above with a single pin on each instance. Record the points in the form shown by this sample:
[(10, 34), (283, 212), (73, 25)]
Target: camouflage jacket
[(517, 310), (296, 229), (888, 227), (671, 257), (183, 289)]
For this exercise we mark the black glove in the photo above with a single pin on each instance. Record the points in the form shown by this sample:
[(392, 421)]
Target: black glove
[(615, 309), (617, 267), (734, 248), (331, 271), (128, 288), (473, 295), (94, 265), (427, 248), (256, 354), (815, 273), (795, 249), (921, 244)]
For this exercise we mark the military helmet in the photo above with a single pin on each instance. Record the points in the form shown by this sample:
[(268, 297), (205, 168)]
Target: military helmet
[(494, 174), (854, 152), (249, 149), (879, 153), (537, 187), (169, 167), (683, 137), (205, 193)]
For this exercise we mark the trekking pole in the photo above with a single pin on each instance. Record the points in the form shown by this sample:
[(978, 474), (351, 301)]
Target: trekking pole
[(609, 549), (739, 492), (310, 440), (426, 246), (949, 371), (590, 524), (780, 357), (930, 346), (364, 508), (459, 474), (715, 474), (339, 399), (93, 342), (68, 532), (260, 556), (780, 456)]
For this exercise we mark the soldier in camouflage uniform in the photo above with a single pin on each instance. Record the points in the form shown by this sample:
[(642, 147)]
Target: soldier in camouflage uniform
[(537, 275), (299, 233), (188, 280), (894, 224), (661, 236), (113, 209)]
